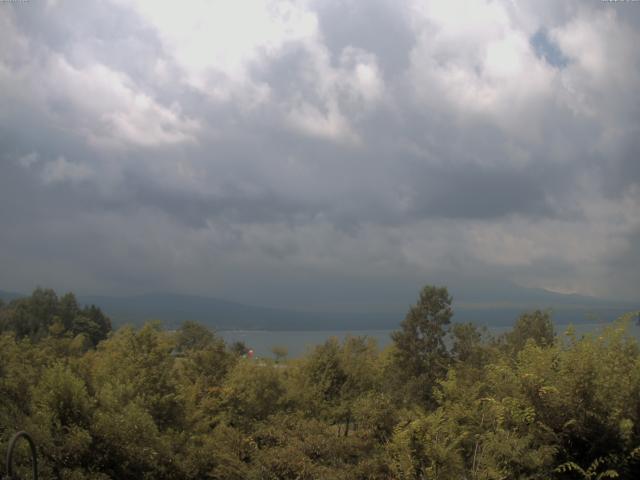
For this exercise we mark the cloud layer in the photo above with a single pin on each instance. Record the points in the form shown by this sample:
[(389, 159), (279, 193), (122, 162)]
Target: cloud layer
[(312, 153)]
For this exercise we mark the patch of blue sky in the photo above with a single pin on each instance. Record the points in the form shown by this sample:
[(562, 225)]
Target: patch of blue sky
[(546, 48)]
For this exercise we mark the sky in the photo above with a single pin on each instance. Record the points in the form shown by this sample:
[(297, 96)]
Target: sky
[(311, 154)]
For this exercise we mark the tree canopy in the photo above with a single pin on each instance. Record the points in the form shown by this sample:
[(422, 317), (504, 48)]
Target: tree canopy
[(443, 401)]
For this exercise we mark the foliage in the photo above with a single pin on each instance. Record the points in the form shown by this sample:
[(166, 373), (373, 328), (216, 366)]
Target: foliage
[(153, 404), (43, 313), (421, 356), (279, 352), (535, 326)]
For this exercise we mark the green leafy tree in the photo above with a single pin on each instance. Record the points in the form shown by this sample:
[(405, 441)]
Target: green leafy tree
[(193, 336), (428, 447), (30, 316), (535, 326), (251, 393), (63, 411), (138, 366), (280, 353), (43, 314), (239, 348), (334, 376), (420, 352)]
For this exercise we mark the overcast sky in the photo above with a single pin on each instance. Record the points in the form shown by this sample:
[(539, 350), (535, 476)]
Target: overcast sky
[(326, 152)]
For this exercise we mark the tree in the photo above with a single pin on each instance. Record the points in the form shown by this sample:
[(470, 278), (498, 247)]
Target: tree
[(136, 366), (43, 314), (428, 447), (68, 310), (30, 316), (239, 348), (470, 349), (62, 410), (92, 322), (420, 353), (193, 336), (252, 392), (536, 326), (280, 353), (321, 377)]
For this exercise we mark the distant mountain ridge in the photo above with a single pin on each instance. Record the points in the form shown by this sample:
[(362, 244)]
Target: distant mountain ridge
[(172, 309), (8, 296)]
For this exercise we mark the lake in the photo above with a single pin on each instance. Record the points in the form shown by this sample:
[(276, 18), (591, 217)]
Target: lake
[(299, 342)]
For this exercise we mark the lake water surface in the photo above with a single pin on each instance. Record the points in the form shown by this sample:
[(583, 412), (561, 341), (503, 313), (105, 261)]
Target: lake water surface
[(299, 342)]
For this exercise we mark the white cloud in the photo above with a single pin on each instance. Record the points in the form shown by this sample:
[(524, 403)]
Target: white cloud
[(604, 66), (201, 155), (15, 44), (102, 103), (220, 45), (330, 124), (576, 251), (360, 76), (475, 58), (27, 161), (62, 170), (111, 110), (216, 43), (343, 94)]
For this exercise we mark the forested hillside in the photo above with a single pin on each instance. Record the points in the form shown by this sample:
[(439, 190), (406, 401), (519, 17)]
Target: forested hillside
[(145, 403)]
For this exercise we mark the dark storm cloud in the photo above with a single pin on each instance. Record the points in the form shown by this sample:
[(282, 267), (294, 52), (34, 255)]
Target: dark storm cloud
[(482, 193), (626, 166), (380, 143)]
